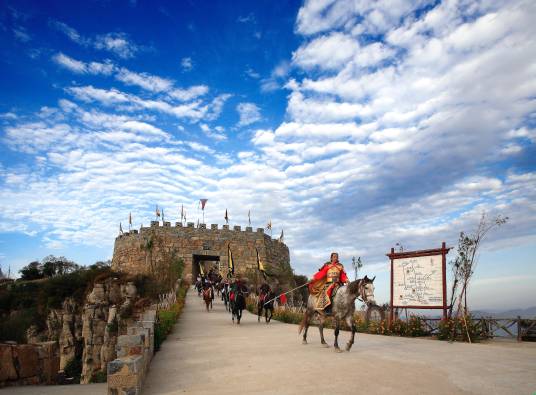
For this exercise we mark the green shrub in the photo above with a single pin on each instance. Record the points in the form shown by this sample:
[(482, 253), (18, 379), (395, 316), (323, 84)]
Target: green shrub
[(461, 329), (287, 316), (14, 326), (98, 377), (168, 317), (73, 369)]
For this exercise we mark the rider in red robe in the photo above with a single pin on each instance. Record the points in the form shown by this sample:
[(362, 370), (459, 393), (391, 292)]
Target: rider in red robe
[(329, 276)]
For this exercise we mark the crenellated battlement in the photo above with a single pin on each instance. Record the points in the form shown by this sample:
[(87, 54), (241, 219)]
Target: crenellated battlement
[(190, 227)]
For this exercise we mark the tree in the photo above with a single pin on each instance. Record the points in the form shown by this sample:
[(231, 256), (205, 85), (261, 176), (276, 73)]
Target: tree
[(52, 266), (357, 265), (32, 271), (464, 265)]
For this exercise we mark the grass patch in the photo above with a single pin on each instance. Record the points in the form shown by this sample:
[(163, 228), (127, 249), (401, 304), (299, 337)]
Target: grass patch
[(166, 318)]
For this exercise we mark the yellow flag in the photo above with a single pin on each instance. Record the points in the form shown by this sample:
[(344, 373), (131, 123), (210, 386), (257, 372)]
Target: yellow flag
[(201, 271), (260, 265), (230, 259)]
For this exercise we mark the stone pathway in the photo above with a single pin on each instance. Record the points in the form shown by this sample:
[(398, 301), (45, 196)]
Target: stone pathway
[(206, 353)]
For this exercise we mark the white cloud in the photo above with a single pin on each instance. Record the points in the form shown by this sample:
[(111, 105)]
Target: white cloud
[(117, 43), (79, 67), (21, 34), (249, 113), (189, 93), (277, 76), (327, 52), (187, 64), (69, 32), (216, 134), (70, 63), (144, 80)]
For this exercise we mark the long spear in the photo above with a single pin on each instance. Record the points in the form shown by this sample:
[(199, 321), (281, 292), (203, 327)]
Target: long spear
[(292, 290)]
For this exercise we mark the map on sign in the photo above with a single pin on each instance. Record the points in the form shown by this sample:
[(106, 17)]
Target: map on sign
[(418, 281)]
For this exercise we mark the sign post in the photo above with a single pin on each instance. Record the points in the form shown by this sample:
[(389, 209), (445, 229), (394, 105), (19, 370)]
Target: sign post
[(419, 279)]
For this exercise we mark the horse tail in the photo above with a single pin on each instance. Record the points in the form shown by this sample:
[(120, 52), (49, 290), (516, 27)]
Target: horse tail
[(303, 322)]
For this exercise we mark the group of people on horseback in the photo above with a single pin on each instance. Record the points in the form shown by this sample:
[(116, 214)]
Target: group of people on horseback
[(233, 292), (331, 294)]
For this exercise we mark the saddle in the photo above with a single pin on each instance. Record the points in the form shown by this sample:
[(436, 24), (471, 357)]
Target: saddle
[(323, 301)]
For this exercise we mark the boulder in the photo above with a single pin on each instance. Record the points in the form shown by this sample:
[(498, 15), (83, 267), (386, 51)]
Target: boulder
[(27, 359), (7, 368)]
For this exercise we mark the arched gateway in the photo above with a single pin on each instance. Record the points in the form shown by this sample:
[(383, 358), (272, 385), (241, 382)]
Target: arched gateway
[(156, 246)]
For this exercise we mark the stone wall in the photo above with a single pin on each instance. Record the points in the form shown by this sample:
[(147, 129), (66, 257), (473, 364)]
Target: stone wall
[(150, 249), (134, 353), (29, 364)]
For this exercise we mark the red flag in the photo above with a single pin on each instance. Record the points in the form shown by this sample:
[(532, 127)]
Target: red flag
[(283, 299), (203, 202)]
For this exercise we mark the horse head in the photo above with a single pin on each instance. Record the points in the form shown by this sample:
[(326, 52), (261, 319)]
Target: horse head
[(363, 288)]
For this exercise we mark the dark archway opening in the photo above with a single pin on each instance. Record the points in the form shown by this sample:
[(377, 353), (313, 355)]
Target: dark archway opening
[(206, 262)]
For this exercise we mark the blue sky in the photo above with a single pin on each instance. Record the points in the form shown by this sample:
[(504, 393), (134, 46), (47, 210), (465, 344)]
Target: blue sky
[(351, 125)]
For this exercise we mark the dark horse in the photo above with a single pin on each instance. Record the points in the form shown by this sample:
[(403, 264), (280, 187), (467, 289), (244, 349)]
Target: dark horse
[(343, 309), (238, 303), (266, 303), (225, 295)]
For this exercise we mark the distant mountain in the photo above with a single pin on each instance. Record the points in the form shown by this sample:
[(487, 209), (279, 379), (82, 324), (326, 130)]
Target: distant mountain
[(523, 313)]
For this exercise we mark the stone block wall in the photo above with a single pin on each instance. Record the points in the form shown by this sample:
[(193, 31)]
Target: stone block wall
[(29, 364), (145, 251), (134, 353)]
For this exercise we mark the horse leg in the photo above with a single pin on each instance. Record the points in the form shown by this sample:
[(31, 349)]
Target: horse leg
[(351, 324), (259, 313), (337, 328), (238, 316), (321, 330), (306, 328)]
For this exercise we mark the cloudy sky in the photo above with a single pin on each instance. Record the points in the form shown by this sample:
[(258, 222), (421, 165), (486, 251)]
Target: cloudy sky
[(352, 125)]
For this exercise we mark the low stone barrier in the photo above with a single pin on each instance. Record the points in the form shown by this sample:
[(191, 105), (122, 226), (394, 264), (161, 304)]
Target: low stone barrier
[(134, 353), (29, 364)]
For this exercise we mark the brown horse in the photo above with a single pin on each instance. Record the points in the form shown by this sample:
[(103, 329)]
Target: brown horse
[(343, 309), (208, 297)]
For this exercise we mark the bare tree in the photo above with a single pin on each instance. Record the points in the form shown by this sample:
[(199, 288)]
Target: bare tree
[(463, 267), (357, 265)]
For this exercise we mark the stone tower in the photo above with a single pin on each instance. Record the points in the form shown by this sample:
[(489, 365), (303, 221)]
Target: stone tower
[(201, 248)]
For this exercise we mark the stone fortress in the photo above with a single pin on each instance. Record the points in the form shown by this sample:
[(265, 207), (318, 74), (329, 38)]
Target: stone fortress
[(154, 247)]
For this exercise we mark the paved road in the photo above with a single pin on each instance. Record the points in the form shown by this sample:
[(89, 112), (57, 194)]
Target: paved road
[(206, 353)]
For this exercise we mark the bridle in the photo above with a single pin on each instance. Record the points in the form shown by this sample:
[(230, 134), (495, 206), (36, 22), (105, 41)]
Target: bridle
[(362, 295)]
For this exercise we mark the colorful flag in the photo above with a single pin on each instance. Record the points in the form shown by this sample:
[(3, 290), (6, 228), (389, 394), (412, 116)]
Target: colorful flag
[(260, 265), (281, 237), (201, 271), (249, 217), (203, 202), (157, 212), (230, 259), (269, 225), (226, 217)]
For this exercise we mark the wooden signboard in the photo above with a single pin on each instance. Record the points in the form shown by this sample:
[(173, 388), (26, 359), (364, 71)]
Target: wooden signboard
[(419, 279)]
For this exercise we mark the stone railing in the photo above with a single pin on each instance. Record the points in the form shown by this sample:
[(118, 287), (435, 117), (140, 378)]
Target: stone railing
[(29, 364), (134, 353)]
